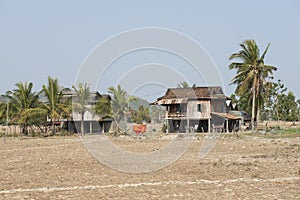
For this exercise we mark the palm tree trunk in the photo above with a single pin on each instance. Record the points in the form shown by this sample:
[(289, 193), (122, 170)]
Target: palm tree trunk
[(25, 129), (253, 112), (53, 127), (253, 102), (257, 107), (15, 130), (257, 116), (82, 123)]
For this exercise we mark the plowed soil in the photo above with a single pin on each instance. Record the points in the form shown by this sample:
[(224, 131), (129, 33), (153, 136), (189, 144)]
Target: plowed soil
[(237, 168)]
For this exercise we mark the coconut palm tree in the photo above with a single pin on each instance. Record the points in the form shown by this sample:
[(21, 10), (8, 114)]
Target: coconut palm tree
[(120, 101), (252, 74), (3, 112), (141, 115), (103, 108), (55, 105), (185, 84), (81, 101), (23, 105)]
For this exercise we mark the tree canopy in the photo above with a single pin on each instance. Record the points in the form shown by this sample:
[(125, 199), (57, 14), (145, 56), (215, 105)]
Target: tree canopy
[(55, 106), (23, 105), (185, 84), (81, 101)]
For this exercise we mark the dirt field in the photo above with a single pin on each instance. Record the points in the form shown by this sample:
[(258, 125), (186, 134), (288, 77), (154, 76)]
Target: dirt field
[(237, 168)]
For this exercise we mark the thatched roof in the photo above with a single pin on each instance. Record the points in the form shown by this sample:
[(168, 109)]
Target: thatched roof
[(194, 93)]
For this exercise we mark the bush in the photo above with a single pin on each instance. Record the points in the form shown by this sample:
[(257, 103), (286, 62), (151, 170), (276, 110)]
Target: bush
[(164, 128), (65, 133)]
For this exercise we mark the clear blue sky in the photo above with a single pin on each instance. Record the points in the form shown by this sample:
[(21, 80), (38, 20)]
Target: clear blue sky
[(41, 38)]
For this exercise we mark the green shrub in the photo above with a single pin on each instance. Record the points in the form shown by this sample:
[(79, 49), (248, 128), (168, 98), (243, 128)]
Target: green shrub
[(164, 128)]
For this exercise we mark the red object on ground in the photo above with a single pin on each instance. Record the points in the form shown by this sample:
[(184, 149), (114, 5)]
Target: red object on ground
[(139, 128)]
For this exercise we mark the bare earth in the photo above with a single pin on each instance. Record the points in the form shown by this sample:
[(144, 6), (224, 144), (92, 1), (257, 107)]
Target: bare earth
[(237, 168)]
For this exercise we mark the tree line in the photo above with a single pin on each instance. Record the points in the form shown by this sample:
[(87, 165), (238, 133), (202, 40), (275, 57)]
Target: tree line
[(26, 108)]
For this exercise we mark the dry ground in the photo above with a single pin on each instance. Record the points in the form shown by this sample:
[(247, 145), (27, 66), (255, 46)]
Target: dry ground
[(237, 168)]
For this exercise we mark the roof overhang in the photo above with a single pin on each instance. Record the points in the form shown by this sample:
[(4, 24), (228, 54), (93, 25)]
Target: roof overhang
[(170, 101), (226, 115)]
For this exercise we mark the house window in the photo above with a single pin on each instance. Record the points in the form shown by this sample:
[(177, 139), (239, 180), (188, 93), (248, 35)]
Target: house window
[(199, 108)]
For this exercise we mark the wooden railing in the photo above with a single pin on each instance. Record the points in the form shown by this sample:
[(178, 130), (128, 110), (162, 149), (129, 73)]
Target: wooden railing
[(176, 115)]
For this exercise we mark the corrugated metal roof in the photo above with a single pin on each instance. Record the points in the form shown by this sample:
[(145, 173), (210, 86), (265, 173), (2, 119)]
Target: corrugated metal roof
[(171, 101), (226, 115)]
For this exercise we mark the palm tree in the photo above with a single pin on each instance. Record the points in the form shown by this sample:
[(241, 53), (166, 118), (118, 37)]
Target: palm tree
[(252, 74), (185, 84), (120, 101), (23, 105), (55, 106), (3, 112), (81, 101), (141, 115), (103, 108)]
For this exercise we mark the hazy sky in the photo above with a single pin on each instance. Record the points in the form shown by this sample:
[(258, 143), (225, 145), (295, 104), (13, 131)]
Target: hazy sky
[(41, 38)]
